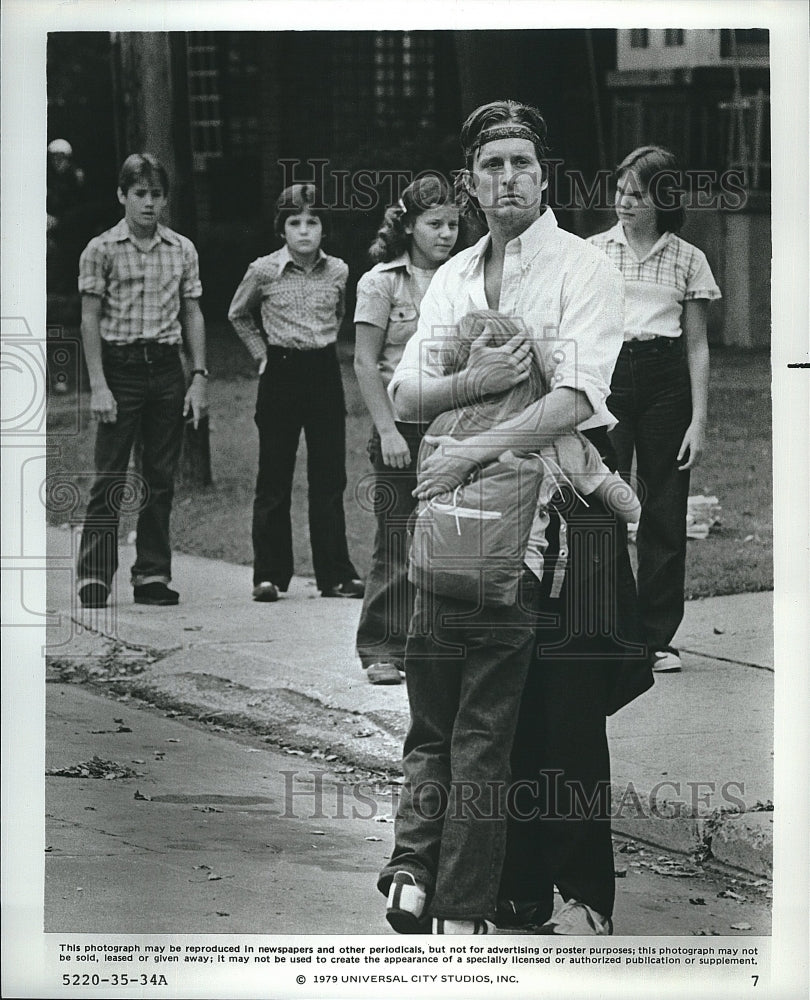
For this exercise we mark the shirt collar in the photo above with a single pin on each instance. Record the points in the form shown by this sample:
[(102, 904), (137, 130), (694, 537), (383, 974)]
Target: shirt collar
[(403, 261), (285, 258), (121, 232), (617, 235), (530, 242)]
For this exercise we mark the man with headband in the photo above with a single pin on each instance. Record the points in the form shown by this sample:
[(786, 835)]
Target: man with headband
[(447, 865)]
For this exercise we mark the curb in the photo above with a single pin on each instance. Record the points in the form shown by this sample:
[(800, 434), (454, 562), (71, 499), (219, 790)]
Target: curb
[(303, 721)]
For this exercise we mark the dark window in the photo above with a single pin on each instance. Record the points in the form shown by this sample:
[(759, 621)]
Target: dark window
[(639, 38), (673, 37), (747, 41)]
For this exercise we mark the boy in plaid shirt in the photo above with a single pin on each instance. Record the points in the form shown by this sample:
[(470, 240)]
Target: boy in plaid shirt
[(140, 289)]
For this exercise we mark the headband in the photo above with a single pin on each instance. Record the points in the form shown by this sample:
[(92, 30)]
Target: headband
[(507, 131)]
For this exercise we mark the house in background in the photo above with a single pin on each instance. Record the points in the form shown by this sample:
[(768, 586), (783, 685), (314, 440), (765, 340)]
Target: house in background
[(705, 95), (237, 114)]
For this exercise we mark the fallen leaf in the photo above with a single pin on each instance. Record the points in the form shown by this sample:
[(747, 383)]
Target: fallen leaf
[(697, 901), (730, 894), (741, 927), (171, 739), (123, 729), (706, 932), (142, 798), (222, 913), (375, 839), (718, 631), (202, 868), (318, 833), (213, 877), (48, 849), (192, 628), (331, 756), (90, 808)]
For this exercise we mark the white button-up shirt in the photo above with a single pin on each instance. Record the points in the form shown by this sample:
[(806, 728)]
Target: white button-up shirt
[(568, 294)]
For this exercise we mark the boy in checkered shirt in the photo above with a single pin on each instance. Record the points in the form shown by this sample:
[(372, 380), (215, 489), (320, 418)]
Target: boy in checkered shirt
[(140, 289)]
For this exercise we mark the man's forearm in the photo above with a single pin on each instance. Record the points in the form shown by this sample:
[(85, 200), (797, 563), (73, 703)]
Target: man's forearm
[(559, 412), (421, 399)]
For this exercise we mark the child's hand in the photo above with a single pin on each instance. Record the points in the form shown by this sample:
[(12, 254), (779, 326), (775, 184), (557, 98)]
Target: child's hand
[(196, 401), (103, 405), (395, 450), (445, 469), (693, 442), (496, 369), (262, 365)]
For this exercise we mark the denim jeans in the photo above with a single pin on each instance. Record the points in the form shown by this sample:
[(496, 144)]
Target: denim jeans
[(465, 671), (301, 390), (148, 385), (388, 602), (652, 400)]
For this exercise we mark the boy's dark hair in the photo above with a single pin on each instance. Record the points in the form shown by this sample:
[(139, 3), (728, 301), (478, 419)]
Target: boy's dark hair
[(428, 191), (296, 199), (656, 169), (490, 122), (142, 167)]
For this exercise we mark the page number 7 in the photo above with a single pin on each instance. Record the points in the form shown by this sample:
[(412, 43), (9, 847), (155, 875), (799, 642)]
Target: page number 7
[(756, 979)]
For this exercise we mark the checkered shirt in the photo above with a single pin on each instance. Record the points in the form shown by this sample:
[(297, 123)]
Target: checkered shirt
[(280, 303), (140, 289), (657, 284)]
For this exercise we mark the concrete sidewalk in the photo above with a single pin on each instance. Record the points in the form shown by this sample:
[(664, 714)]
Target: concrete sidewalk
[(692, 758)]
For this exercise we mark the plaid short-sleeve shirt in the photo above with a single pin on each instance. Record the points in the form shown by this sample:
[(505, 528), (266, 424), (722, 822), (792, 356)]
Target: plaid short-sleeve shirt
[(657, 285), (140, 289)]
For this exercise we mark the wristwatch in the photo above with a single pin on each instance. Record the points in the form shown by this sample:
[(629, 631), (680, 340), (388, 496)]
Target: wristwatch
[(199, 371)]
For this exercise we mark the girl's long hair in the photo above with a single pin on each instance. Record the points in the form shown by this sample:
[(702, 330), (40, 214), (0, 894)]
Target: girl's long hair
[(428, 191), (657, 169)]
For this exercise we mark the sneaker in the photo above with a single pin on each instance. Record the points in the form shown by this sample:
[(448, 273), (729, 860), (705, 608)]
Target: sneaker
[(666, 661), (349, 588), (578, 920), (384, 672), (514, 913), (93, 595), (265, 591), (406, 905), (478, 926), (156, 594)]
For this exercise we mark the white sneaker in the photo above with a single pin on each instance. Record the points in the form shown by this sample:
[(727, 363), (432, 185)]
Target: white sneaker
[(666, 661), (578, 919), (479, 926)]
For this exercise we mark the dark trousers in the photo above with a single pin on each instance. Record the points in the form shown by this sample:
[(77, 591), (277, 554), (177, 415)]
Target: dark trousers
[(652, 400), (388, 602), (301, 390), (465, 671), (148, 385)]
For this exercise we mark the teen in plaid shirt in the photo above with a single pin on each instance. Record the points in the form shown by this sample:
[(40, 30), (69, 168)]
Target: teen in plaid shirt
[(140, 290), (659, 389)]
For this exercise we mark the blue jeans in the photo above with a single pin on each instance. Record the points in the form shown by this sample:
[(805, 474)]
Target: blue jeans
[(465, 671), (652, 400), (388, 602), (148, 384)]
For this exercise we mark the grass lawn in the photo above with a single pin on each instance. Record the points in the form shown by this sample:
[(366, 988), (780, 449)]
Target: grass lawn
[(215, 521)]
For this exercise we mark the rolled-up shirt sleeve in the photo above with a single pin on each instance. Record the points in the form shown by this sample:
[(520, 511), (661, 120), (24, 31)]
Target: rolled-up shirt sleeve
[(244, 308), (93, 269), (191, 288), (590, 335)]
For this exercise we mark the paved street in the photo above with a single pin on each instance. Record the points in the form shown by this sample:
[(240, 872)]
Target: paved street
[(214, 830)]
